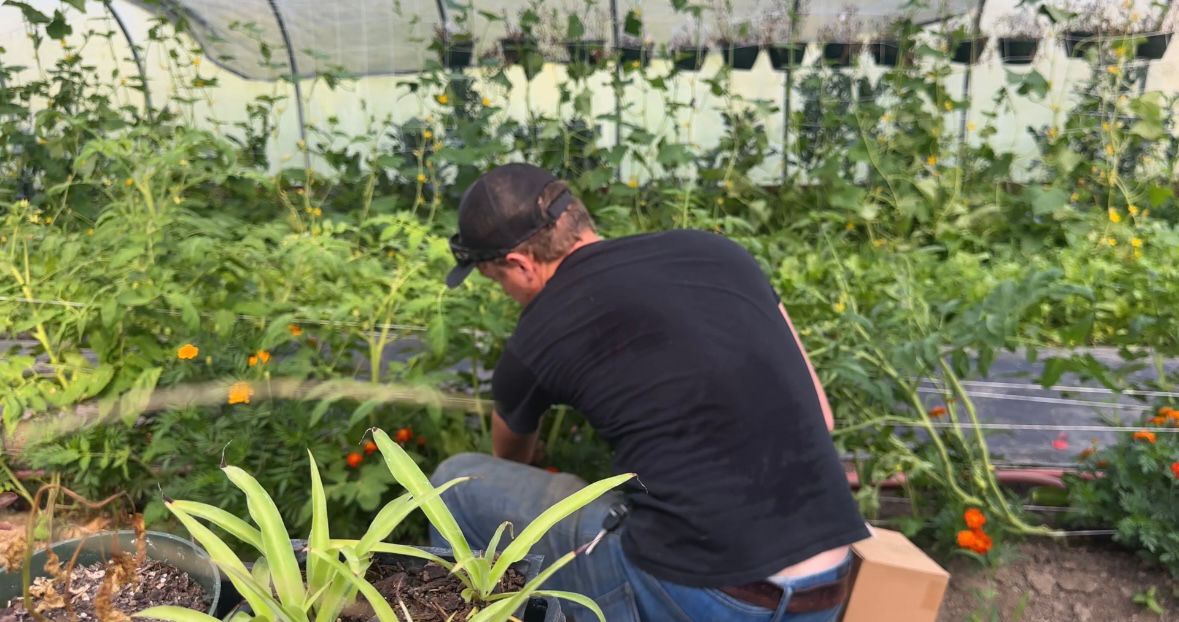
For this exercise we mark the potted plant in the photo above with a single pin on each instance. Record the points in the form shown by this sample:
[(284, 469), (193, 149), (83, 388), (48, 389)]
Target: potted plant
[(634, 50), (518, 41), (455, 46), (776, 28), (840, 47), (1144, 30), (688, 49), (735, 38), (968, 51), (1020, 38), (1085, 21), (585, 41)]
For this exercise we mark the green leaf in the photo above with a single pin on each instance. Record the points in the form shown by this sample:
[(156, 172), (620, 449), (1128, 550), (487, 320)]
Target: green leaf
[(536, 530), (175, 614), (77, 4), (501, 609), (633, 26), (1045, 202), (573, 28), (58, 28), (231, 524), (1150, 130), (318, 574), (32, 15), (580, 599), (394, 512), (276, 541), (375, 599), (410, 476), (1157, 195)]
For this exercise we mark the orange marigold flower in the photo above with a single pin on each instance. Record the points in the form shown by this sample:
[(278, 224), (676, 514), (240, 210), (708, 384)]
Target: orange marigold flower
[(982, 542), (1143, 435), (1159, 420), (354, 459), (295, 330), (937, 411), (263, 356), (966, 539), (404, 435), (552, 469), (370, 447), (421, 441), (974, 518), (1175, 469), (187, 352), (252, 361), (240, 393)]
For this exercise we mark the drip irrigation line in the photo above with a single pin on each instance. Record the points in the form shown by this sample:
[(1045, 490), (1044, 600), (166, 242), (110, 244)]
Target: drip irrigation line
[(1043, 400), (239, 316), (1062, 388)]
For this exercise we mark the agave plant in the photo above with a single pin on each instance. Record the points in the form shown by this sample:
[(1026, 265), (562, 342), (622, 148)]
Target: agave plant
[(274, 588), (480, 574)]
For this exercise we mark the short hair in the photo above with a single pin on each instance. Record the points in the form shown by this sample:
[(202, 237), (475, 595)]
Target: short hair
[(557, 239)]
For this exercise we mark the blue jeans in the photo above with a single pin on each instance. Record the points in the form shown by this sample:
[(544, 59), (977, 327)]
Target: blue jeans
[(509, 491)]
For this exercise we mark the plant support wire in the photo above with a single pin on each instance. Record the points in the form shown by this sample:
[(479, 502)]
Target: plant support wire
[(294, 65), (139, 64)]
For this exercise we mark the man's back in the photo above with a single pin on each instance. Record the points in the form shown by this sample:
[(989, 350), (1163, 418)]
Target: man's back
[(673, 347)]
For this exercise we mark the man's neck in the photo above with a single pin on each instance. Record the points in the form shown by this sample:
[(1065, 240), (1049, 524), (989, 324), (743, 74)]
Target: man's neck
[(582, 241)]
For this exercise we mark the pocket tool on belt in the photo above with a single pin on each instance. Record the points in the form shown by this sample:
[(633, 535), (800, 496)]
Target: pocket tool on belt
[(618, 512)]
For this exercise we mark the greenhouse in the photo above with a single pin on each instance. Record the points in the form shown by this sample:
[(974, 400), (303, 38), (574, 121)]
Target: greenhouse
[(589, 310)]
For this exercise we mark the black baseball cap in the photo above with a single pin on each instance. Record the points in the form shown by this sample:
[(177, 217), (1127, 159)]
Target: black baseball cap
[(503, 208)]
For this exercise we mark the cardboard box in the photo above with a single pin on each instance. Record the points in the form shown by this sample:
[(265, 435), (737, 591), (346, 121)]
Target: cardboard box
[(894, 581)]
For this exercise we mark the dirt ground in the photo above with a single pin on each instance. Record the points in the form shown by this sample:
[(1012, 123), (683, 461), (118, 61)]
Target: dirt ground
[(1040, 581)]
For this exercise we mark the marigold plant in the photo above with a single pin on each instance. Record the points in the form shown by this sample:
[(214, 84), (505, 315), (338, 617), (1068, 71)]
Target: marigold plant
[(187, 352)]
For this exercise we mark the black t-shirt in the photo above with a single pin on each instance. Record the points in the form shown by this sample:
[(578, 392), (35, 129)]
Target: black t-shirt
[(672, 346)]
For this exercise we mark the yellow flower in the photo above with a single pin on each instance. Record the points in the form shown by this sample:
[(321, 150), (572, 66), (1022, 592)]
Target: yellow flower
[(240, 393), (177, 199), (21, 204), (1133, 209), (1109, 149), (90, 231), (49, 220), (1052, 133), (1105, 126), (633, 182), (317, 212), (839, 307), (442, 98), (1138, 253), (421, 178), (427, 134), (129, 182), (196, 61), (931, 160), (301, 144), (1114, 216), (634, 64), (970, 126), (850, 225), (294, 329), (486, 101), (1136, 242), (878, 242), (1075, 197), (187, 352), (1111, 241), (948, 105), (122, 81), (1113, 70)]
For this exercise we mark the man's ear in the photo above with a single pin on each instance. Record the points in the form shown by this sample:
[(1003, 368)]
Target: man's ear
[(521, 262)]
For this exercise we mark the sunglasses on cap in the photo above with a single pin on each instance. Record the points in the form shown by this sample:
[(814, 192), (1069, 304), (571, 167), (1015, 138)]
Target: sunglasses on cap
[(550, 207)]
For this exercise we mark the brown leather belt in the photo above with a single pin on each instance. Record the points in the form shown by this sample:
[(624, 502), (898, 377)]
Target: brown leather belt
[(815, 598)]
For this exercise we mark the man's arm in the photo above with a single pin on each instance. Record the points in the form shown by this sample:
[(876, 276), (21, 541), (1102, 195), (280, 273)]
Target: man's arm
[(827, 416), (508, 445)]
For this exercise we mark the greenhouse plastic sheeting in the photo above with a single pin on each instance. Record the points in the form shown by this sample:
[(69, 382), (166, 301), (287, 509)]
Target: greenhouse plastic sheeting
[(373, 37)]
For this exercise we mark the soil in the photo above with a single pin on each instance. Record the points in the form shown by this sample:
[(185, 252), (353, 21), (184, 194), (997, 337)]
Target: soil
[(1049, 581), (429, 592), (153, 583)]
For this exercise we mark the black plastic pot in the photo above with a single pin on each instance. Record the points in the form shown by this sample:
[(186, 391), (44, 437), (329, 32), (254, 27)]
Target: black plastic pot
[(1154, 47), (1076, 42), (690, 59), (741, 57), (629, 55), (515, 49), (1018, 51), (887, 53), (841, 54), (968, 52), (586, 51), (164, 547), (783, 55), (457, 55), (543, 609)]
